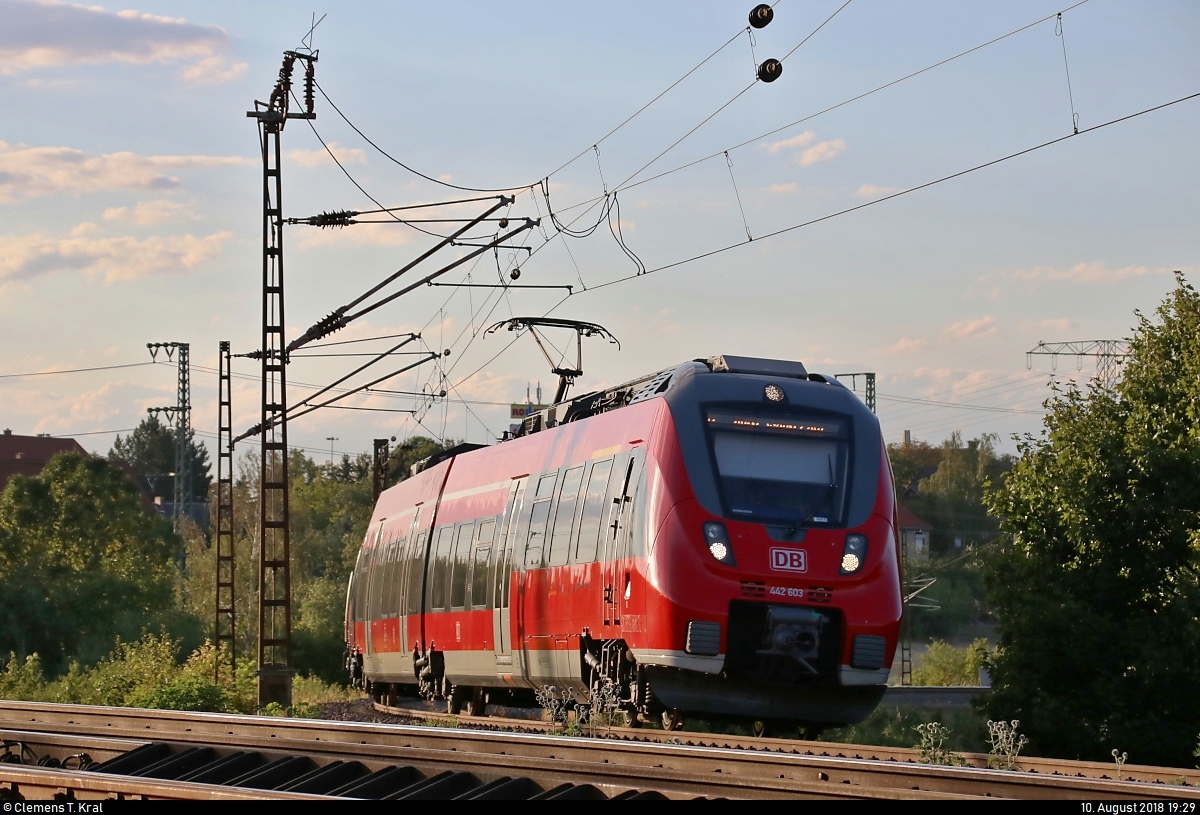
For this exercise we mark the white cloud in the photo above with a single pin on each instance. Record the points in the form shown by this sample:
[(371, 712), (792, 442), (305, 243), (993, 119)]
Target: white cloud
[(906, 345), (113, 259), (982, 327), (824, 151), (1094, 272), (873, 191), (26, 172), (53, 34), (782, 189), (382, 234), (215, 70), (315, 158), (773, 147), (151, 213), (1060, 326)]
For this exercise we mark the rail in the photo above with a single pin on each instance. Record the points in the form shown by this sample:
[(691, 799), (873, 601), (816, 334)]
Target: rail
[(591, 767)]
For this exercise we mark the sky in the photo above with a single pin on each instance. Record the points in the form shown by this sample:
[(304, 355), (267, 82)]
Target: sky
[(787, 220)]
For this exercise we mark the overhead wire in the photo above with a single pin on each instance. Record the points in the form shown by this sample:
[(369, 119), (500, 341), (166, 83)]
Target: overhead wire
[(903, 192), (77, 370), (831, 108)]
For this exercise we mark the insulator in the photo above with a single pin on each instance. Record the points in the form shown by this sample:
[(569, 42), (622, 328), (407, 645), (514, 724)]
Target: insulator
[(308, 86), (770, 70), (515, 273), (503, 223), (761, 15)]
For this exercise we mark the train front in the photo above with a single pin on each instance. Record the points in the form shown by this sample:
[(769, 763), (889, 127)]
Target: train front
[(775, 567)]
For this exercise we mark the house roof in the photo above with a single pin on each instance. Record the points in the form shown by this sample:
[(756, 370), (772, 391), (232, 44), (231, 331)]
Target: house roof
[(27, 455), (906, 519)]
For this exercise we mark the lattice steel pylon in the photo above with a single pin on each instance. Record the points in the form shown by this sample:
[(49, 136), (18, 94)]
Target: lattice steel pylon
[(225, 627), (869, 392), (274, 557), (379, 465), (1109, 355), (182, 415)]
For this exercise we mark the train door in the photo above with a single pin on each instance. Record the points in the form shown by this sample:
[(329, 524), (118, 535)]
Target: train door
[(374, 588), (502, 579), (405, 565), (616, 569)]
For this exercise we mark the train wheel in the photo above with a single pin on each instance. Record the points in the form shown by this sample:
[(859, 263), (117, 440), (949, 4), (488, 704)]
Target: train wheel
[(672, 719), (454, 700), (477, 706), (809, 732), (628, 718)]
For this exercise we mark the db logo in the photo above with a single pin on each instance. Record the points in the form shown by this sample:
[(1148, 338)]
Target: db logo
[(789, 560)]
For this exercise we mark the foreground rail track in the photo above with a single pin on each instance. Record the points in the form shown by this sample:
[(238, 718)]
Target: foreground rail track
[(165, 754), (422, 713)]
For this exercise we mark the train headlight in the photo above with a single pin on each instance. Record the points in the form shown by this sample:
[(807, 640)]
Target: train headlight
[(716, 538), (854, 553)]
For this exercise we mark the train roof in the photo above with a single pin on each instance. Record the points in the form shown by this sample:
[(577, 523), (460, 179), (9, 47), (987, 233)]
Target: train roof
[(658, 384)]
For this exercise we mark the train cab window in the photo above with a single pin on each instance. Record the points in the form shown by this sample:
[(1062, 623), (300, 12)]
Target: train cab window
[(416, 574), (564, 516), (458, 577), (778, 466), (592, 518), (479, 564), (440, 573)]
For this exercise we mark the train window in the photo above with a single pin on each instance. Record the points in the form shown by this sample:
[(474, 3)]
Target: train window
[(384, 567), (416, 574), (592, 518), (458, 577), (440, 577), (479, 565), (778, 466), (507, 542), (393, 588), (537, 533), (637, 517), (546, 485), (359, 575), (374, 583), (564, 516)]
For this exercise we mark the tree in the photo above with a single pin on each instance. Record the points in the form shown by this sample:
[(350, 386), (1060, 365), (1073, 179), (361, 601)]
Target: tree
[(945, 484), (1096, 586), (150, 450), (954, 494), (81, 563), (909, 461), (412, 450)]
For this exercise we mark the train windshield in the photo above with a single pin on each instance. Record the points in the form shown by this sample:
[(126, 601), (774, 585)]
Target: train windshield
[(779, 466)]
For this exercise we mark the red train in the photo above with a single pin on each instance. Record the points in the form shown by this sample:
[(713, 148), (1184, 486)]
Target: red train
[(715, 540)]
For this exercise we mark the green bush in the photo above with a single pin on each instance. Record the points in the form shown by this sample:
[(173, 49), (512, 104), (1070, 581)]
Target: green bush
[(23, 680), (943, 665), (894, 726), (185, 692)]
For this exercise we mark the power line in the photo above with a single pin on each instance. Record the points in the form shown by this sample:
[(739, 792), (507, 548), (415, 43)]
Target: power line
[(901, 192), (78, 370), (831, 108)]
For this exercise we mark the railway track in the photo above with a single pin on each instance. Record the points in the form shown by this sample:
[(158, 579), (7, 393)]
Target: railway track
[(166, 754), (422, 713)]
